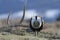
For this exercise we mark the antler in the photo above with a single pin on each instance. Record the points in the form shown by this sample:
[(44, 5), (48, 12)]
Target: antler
[(8, 18), (23, 12)]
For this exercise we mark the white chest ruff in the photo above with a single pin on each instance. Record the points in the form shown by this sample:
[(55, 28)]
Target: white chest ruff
[(36, 23)]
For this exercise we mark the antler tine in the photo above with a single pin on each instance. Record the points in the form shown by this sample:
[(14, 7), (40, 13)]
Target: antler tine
[(8, 18), (23, 12)]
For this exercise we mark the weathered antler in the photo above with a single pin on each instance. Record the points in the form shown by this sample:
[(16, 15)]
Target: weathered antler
[(23, 12), (22, 16), (8, 17)]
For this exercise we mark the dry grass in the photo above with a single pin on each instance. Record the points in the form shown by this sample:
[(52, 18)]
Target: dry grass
[(51, 31), (28, 36), (17, 37), (8, 37)]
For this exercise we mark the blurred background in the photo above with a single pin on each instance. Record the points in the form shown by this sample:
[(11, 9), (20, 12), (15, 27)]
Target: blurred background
[(48, 9)]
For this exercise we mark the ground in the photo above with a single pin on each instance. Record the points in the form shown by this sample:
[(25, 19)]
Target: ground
[(50, 31)]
